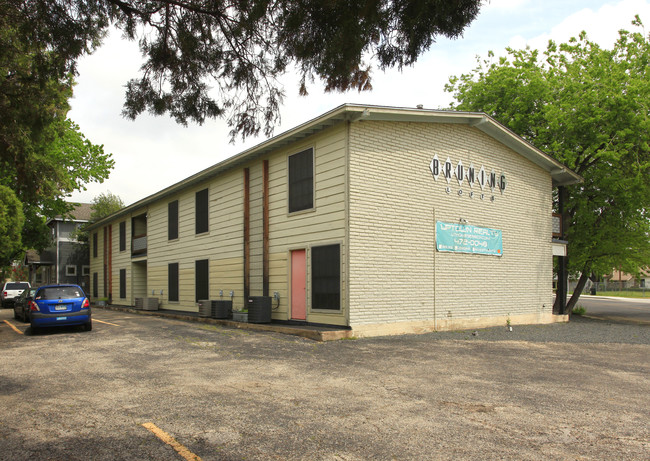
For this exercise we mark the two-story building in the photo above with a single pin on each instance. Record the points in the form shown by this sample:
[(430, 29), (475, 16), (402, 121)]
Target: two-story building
[(380, 219), (66, 260)]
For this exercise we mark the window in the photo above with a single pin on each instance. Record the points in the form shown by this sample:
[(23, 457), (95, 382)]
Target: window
[(326, 277), (301, 181), (95, 245), (172, 220), (85, 271), (123, 236), (70, 271), (202, 223), (95, 285), (122, 283), (202, 277), (52, 293), (172, 281)]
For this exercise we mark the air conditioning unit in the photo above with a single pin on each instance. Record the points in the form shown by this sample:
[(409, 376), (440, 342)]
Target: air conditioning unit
[(259, 309), (205, 308), (221, 309), (151, 304), (139, 303)]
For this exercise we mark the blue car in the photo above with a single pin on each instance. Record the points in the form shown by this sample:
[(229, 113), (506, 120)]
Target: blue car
[(60, 305)]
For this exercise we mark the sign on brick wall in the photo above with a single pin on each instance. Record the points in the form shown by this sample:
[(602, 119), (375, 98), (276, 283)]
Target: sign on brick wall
[(465, 238)]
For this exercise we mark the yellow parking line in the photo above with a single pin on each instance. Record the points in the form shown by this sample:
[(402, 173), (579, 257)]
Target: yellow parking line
[(171, 441), (107, 323), (13, 327)]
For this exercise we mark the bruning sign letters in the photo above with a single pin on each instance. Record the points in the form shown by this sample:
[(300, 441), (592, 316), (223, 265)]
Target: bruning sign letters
[(480, 177)]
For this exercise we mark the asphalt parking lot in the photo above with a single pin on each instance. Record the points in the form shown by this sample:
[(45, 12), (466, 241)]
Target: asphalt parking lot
[(563, 391)]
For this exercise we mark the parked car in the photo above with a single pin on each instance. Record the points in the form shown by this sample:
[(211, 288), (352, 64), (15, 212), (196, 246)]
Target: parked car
[(58, 305), (21, 304), (10, 291)]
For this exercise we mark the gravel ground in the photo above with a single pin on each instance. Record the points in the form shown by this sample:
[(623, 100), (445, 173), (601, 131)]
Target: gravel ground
[(580, 330), (550, 392)]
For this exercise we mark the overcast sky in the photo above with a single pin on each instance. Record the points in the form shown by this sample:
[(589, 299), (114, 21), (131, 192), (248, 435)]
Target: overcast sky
[(152, 153)]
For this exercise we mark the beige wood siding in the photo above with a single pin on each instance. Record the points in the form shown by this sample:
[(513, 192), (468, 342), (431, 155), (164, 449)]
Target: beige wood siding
[(396, 274), (324, 224), (222, 245)]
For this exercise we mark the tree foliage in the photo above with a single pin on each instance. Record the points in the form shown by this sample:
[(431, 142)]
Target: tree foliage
[(43, 155), (215, 58), (11, 222), (588, 107), (105, 204)]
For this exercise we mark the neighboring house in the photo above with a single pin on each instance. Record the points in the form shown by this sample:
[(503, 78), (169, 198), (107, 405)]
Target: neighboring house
[(380, 219), (620, 280), (66, 260)]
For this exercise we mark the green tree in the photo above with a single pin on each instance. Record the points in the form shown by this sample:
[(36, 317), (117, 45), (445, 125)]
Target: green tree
[(43, 156), (588, 107), (216, 58), (105, 204), (11, 222)]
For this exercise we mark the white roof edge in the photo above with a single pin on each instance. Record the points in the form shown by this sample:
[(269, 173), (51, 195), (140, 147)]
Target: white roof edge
[(561, 174)]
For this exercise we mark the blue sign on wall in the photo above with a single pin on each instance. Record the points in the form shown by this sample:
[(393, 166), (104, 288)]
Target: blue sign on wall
[(464, 238)]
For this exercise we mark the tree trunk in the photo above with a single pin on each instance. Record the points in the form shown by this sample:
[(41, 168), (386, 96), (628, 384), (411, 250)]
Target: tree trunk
[(577, 292)]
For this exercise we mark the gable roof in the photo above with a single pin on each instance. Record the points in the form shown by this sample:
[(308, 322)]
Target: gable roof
[(560, 174), (80, 213)]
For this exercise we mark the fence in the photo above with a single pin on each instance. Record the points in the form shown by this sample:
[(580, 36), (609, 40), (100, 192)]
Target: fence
[(611, 286)]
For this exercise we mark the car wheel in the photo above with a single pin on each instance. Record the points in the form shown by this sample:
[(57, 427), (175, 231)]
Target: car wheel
[(88, 326), (32, 330)]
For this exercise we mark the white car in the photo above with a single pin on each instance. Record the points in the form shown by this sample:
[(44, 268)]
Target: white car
[(10, 291)]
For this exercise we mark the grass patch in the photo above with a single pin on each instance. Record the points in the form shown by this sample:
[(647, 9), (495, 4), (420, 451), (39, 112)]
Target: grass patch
[(624, 294), (579, 310)]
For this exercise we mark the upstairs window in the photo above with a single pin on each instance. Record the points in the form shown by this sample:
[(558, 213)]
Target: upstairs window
[(301, 181), (201, 212), (172, 220), (95, 245), (123, 236)]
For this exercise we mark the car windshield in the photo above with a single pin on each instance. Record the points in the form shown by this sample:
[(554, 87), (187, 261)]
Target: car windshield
[(16, 286), (59, 293)]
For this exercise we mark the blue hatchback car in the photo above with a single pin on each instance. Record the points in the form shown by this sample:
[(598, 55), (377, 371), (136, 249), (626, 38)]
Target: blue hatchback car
[(60, 305)]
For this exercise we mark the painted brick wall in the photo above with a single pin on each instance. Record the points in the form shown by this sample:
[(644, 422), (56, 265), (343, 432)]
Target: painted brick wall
[(395, 272)]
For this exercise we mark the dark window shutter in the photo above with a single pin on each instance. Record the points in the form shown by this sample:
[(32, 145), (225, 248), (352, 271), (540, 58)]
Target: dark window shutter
[(202, 223), (301, 181), (202, 279), (326, 277), (122, 283), (95, 245), (95, 283), (123, 236), (172, 288), (172, 217)]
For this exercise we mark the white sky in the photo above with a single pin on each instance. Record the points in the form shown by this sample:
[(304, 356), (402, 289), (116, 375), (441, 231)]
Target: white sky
[(152, 153)]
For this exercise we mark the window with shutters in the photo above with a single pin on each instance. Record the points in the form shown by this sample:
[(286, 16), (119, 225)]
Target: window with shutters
[(326, 277), (202, 221), (172, 220), (123, 236), (202, 279), (172, 281), (301, 181), (122, 283)]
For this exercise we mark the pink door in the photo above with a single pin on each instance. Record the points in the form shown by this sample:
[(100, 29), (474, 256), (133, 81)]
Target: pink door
[(298, 282)]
